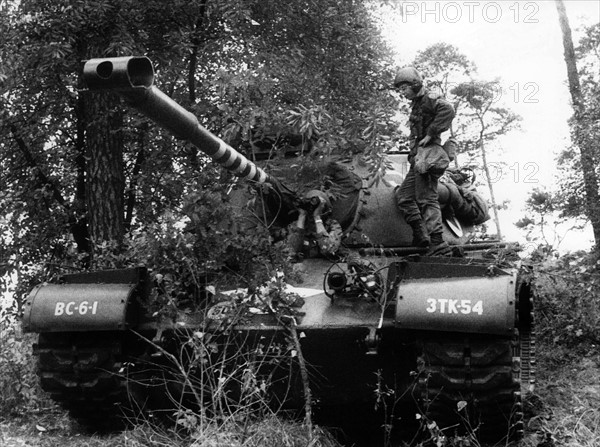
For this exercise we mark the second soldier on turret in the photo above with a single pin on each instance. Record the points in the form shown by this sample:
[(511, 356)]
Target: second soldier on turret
[(417, 197), (312, 236)]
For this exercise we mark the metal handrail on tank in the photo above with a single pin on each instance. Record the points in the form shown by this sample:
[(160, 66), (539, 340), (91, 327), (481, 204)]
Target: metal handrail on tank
[(132, 77)]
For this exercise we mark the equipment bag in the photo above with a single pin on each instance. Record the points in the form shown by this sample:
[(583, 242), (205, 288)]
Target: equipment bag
[(431, 159)]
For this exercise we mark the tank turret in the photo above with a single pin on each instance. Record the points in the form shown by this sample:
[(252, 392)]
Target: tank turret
[(367, 212)]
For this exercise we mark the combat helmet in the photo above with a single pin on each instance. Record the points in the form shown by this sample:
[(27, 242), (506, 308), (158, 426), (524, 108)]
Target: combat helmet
[(408, 75)]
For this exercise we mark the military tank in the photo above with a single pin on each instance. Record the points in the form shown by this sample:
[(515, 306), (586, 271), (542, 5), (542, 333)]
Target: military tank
[(452, 337)]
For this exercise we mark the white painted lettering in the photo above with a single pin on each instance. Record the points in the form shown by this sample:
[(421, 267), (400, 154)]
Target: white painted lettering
[(83, 308), (465, 306), (69, 308), (59, 309), (452, 306), (431, 305), (442, 302)]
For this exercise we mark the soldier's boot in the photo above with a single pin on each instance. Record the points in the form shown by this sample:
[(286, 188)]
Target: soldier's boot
[(420, 238), (439, 247)]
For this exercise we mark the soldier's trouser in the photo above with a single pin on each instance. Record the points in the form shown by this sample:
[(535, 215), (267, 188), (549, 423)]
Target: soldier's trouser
[(417, 199)]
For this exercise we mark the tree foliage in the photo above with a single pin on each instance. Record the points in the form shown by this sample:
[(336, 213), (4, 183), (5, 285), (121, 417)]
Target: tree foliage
[(583, 124), (483, 124), (83, 178), (571, 178), (569, 194), (545, 225), (444, 66)]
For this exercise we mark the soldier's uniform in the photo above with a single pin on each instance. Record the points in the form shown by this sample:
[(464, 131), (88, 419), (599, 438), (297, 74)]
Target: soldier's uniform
[(417, 197), (431, 115), (305, 238)]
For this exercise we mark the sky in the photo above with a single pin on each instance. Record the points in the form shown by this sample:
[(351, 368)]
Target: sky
[(521, 43)]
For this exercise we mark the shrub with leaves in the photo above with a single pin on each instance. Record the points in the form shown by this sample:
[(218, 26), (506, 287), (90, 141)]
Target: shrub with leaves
[(18, 388), (567, 311), (209, 242), (213, 375)]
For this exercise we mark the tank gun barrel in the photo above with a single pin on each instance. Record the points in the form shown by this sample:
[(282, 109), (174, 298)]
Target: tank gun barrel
[(132, 77)]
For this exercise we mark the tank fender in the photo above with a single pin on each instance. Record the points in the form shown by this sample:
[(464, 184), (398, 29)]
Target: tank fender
[(79, 307), (480, 304)]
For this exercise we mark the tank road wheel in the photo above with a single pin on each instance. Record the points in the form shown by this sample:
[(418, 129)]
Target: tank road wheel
[(471, 385), (83, 372)]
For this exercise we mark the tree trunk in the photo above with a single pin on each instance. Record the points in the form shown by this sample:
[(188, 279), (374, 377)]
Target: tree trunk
[(79, 224), (105, 177), (195, 40), (137, 167), (79, 214), (590, 179), (490, 185)]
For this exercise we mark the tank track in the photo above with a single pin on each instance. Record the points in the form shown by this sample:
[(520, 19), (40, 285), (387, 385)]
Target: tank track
[(482, 372), (82, 371), (525, 346), (525, 352)]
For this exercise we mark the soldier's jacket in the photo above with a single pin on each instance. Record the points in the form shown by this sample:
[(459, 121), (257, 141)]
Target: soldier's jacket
[(430, 115)]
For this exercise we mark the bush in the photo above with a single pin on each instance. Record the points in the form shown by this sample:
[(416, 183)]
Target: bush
[(567, 311), (18, 380)]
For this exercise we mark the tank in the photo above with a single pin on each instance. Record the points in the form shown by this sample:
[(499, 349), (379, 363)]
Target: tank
[(379, 325)]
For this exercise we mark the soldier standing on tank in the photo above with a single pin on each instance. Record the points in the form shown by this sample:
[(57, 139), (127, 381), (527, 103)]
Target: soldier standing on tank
[(417, 197)]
